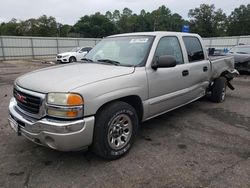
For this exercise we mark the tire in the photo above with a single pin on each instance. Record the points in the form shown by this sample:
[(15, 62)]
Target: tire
[(111, 139), (72, 59), (218, 90)]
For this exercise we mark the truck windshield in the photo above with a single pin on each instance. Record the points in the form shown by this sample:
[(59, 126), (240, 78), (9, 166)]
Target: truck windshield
[(124, 51)]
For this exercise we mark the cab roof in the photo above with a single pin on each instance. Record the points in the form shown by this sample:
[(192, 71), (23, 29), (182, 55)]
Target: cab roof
[(155, 33)]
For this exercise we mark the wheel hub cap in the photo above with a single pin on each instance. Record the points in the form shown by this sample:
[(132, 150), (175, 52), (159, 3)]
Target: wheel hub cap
[(120, 131)]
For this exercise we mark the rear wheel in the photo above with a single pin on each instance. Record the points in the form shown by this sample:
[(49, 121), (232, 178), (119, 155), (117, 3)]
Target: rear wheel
[(115, 130), (72, 59), (218, 91)]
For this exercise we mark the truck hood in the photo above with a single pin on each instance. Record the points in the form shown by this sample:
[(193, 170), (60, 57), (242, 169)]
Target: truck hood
[(65, 78)]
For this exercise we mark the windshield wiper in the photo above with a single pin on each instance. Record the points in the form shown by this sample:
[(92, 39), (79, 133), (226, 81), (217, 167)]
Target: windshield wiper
[(113, 62), (86, 59)]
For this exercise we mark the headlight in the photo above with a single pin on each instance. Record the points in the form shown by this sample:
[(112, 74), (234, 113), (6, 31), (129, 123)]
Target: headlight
[(65, 105)]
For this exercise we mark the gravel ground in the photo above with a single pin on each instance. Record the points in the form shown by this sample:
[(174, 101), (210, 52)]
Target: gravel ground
[(200, 145)]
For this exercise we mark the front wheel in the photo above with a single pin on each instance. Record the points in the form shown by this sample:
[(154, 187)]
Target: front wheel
[(72, 59), (115, 130), (218, 91)]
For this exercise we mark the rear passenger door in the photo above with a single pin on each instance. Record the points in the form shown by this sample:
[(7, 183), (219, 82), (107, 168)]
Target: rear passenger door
[(198, 67)]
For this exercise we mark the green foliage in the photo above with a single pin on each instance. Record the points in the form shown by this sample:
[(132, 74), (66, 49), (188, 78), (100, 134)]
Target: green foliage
[(43, 26), (9, 28), (96, 25), (64, 30), (239, 21), (205, 20)]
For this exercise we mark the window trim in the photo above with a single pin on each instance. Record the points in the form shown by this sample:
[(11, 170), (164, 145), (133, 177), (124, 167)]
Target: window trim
[(200, 46), (178, 40)]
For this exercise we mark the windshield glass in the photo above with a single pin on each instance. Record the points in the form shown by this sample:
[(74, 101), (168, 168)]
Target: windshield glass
[(75, 49), (127, 51), (241, 49)]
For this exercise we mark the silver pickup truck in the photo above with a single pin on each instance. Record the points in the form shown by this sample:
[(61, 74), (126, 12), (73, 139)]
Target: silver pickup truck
[(124, 80)]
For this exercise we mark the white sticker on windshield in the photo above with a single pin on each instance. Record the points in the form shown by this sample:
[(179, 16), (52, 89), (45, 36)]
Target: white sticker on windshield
[(139, 40)]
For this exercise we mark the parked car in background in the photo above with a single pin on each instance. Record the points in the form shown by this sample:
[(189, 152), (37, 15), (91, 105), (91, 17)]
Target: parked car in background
[(76, 54), (241, 55)]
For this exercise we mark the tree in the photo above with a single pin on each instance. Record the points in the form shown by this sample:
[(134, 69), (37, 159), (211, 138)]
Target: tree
[(96, 25), (116, 15), (163, 20), (28, 27), (109, 15), (207, 21), (239, 21), (47, 26), (126, 12), (177, 22), (64, 30), (10, 28)]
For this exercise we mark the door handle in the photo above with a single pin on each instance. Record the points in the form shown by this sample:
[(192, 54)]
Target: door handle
[(205, 69), (185, 73)]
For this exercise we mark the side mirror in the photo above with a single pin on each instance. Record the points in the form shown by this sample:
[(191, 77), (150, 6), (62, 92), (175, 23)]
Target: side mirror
[(165, 61)]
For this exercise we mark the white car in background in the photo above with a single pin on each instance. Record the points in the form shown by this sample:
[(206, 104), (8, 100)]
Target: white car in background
[(76, 54)]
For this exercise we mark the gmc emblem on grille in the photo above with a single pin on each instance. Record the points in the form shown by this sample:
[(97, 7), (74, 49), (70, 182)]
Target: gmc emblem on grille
[(21, 98)]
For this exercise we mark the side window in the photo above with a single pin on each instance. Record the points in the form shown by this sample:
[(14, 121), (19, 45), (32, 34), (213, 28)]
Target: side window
[(88, 49), (194, 49), (170, 46), (83, 50)]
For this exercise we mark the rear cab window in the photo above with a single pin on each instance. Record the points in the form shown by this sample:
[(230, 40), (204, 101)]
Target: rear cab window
[(194, 49)]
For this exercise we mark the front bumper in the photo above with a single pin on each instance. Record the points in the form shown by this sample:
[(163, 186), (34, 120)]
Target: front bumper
[(62, 59), (60, 135)]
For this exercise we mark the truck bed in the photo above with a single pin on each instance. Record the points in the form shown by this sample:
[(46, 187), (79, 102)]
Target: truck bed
[(219, 64)]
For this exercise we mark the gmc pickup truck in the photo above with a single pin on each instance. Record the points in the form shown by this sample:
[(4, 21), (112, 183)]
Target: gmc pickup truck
[(124, 80)]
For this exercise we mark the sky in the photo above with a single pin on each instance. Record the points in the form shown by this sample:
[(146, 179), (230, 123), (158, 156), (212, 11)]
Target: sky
[(69, 11)]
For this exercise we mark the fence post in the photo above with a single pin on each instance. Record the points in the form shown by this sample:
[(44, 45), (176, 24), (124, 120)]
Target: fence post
[(2, 48), (57, 45), (32, 48), (78, 44), (210, 42), (238, 40)]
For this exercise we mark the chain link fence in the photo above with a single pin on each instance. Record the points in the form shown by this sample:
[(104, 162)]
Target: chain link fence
[(226, 42), (12, 47)]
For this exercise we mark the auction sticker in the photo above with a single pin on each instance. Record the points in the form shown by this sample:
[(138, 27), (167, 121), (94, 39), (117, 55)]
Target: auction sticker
[(139, 40)]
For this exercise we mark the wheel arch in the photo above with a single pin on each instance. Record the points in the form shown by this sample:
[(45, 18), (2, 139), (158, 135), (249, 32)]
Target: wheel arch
[(133, 100), (73, 57)]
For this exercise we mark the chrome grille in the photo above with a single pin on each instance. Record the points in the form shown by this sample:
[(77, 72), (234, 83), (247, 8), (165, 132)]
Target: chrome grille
[(27, 102)]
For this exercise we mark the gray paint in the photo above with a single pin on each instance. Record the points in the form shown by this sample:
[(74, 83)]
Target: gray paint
[(160, 90)]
